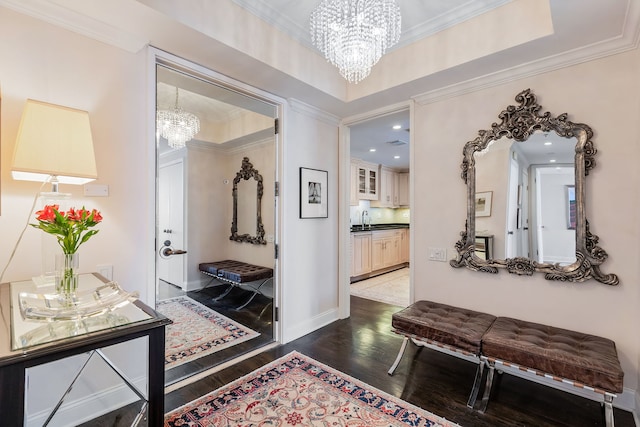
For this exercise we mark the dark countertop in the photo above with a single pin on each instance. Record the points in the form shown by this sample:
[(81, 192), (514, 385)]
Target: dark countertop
[(373, 227)]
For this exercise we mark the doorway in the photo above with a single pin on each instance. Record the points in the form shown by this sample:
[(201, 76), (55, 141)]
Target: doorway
[(203, 198), (377, 219)]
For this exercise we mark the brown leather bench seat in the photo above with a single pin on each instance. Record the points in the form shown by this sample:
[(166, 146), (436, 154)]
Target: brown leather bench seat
[(445, 328), (557, 357), (560, 355), (236, 271), (445, 324), (588, 359), (253, 278)]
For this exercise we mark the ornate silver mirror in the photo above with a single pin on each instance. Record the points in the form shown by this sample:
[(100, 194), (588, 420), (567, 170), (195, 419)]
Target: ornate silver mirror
[(526, 197), (247, 200)]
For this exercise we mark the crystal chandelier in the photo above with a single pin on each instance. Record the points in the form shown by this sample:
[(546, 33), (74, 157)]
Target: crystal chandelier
[(354, 34), (176, 125)]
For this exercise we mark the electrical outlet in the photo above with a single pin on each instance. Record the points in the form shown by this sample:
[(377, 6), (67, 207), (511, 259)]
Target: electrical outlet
[(438, 254), (106, 271)]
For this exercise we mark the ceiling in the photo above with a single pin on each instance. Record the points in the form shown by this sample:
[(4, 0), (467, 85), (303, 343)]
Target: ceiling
[(266, 44), (420, 18)]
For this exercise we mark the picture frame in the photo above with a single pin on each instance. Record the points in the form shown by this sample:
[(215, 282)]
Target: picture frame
[(313, 193), (483, 203)]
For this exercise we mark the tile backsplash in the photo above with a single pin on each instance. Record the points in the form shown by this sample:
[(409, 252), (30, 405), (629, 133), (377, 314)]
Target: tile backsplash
[(379, 215)]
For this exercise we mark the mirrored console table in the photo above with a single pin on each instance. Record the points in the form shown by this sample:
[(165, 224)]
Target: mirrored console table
[(26, 342)]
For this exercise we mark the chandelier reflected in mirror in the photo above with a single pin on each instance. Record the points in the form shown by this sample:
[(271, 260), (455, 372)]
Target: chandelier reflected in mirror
[(354, 34), (176, 125)]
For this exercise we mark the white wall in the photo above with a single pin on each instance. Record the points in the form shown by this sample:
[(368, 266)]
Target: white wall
[(602, 94), (60, 67), (310, 246)]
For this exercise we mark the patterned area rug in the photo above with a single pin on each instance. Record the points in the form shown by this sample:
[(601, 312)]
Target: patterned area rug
[(298, 391), (197, 331)]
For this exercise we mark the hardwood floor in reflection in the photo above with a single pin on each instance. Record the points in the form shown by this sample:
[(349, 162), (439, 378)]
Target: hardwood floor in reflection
[(258, 315), (364, 347)]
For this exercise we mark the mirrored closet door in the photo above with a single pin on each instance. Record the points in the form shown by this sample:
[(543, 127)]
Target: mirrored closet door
[(216, 149)]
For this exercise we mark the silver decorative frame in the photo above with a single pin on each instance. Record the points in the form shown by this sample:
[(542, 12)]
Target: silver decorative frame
[(518, 123), (247, 172)]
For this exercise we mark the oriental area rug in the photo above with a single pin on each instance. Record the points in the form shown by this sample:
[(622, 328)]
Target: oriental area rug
[(296, 390), (197, 331)]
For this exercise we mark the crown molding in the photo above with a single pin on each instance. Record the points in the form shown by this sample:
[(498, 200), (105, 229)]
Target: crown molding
[(629, 40), (311, 111), (60, 16)]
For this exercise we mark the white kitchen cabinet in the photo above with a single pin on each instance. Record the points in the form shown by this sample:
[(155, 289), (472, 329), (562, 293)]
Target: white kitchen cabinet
[(353, 193), (385, 249), (403, 189), (360, 253), (405, 248), (388, 189), (368, 181)]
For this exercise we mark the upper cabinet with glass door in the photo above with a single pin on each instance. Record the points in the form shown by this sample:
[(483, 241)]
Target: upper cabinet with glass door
[(367, 180)]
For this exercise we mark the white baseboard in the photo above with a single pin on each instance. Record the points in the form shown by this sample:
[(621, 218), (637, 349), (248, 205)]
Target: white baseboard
[(195, 285), (304, 328), (89, 407)]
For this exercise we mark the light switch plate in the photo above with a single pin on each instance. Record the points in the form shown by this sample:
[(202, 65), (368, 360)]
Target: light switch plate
[(438, 254), (96, 190)]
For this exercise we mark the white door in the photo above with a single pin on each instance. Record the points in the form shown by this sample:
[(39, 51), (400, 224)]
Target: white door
[(524, 212), (171, 223), (511, 237)]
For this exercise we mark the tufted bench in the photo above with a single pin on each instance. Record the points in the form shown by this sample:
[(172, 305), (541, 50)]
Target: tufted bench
[(533, 350), (240, 274), (448, 329)]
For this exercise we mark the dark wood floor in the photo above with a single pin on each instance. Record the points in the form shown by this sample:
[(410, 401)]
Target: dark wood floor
[(364, 347)]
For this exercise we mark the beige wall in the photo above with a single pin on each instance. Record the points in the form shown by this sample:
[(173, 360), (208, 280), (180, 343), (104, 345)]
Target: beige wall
[(601, 93), (58, 66)]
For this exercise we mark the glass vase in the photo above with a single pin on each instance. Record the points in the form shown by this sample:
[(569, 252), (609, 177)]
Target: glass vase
[(67, 276)]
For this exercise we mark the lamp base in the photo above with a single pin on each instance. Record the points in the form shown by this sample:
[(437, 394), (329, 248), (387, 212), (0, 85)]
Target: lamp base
[(53, 196)]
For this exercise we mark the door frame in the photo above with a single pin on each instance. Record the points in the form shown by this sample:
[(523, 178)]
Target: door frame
[(344, 152), (154, 58)]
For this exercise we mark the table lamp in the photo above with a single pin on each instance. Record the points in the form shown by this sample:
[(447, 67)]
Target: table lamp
[(54, 144)]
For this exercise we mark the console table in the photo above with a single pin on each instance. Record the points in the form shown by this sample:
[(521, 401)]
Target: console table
[(16, 356)]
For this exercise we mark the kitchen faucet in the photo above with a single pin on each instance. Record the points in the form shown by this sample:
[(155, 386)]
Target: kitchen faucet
[(365, 218)]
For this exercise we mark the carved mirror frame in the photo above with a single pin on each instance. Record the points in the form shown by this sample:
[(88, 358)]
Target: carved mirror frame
[(518, 123), (247, 172)]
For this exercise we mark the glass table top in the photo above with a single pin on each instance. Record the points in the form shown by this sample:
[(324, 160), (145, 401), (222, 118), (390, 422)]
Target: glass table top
[(37, 316)]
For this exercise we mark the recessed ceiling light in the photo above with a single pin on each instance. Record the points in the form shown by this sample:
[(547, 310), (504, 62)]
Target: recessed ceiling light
[(552, 161), (548, 143), (372, 150), (396, 127), (396, 157)]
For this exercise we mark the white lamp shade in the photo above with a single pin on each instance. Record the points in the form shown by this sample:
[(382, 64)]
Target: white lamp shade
[(54, 141)]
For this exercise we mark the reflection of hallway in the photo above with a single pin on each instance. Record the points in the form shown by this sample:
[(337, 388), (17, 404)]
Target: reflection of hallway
[(392, 288), (257, 315)]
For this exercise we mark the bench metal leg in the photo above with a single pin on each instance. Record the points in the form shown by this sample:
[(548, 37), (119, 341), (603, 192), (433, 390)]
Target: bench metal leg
[(248, 301), (487, 388), (608, 410), (476, 385), (224, 294), (399, 357)]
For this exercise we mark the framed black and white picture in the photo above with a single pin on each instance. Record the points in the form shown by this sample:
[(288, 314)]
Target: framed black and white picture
[(313, 193)]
